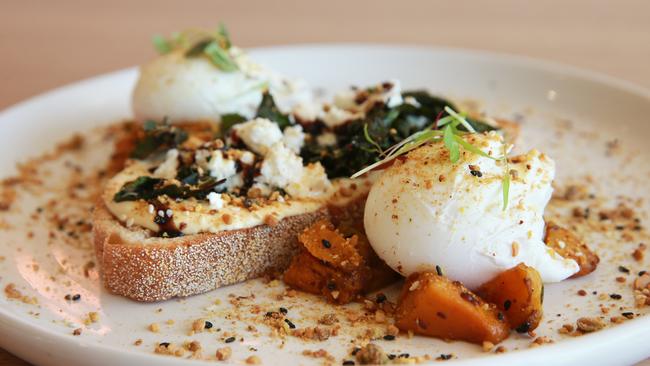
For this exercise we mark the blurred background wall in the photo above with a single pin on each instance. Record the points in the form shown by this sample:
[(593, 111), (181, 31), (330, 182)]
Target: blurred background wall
[(47, 43)]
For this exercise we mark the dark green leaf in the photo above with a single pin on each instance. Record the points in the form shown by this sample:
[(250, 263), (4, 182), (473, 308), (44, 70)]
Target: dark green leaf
[(268, 109), (158, 137), (147, 188), (229, 120), (136, 189)]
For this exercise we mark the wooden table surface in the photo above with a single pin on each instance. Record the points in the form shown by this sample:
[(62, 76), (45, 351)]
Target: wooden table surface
[(45, 44)]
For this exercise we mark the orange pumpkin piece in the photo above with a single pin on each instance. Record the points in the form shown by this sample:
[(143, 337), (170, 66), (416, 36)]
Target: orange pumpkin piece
[(568, 245), (324, 242), (435, 306), (309, 274), (339, 267), (519, 293)]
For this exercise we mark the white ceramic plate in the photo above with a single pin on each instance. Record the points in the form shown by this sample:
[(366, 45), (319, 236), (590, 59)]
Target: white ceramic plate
[(599, 109)]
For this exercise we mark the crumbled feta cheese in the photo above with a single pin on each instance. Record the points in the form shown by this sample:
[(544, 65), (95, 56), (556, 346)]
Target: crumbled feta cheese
[(280, 167), (201, 158), (220, 166), (307, 112), (247, 157), (412, 101), (393, 96), (258, 134), (294, 138), (336, 116), (345, 99), (313, 182), (167, 170), (216, 202), (326, 139)]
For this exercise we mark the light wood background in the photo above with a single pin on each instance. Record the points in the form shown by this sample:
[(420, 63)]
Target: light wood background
[(48, 43)]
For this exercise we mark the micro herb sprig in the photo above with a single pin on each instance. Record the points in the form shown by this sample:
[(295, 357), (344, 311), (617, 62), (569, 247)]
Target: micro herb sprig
[(374, 143), (445, 130), (213, 45), (505, 182)]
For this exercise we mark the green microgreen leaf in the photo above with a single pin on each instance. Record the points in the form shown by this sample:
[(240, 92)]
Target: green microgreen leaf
[(224, 36), (460, 119), (444, 120), (505, 184), (370, 140), (198, 48), (161, 44), (451, 144), (220, 57), (471, 148)]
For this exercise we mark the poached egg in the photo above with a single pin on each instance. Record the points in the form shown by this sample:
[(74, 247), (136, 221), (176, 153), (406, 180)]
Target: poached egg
[(193, 89), (426, 212)]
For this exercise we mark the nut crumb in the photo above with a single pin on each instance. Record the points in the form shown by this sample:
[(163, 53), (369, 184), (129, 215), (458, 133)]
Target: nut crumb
[(253, 360), (588, 325), (224, 353)]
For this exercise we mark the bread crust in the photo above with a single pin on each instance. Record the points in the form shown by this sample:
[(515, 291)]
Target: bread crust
[(146, 268)]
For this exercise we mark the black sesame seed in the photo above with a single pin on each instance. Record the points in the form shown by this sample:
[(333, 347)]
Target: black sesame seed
[(615, 296), (506, 305), (284, 310), (439, 270), (326, 243), (208, 325), (391, 356), (628, 314), (500, 315), (164, 344), (348, 362), (331, 285), (381, 298), (445, 357), (389, 337), (642, 273), (404, 355), (523, 328), (230, 340), (476, 173), (355, 350), (76, 297), (290, 324), (620, 227), (623, 269)]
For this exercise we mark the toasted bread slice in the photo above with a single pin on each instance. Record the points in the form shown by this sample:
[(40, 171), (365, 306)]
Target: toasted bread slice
[(136, 264)]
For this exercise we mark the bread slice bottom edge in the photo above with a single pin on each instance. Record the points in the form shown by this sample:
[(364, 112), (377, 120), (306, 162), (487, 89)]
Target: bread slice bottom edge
[(137, 265)]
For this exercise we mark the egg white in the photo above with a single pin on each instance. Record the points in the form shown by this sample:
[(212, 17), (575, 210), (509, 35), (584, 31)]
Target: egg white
[(425, 212)]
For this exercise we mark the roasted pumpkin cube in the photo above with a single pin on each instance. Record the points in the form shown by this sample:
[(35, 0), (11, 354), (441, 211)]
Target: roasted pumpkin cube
[(310, 274), (568, 245), (436, 306), (518, 292), (324, 242)]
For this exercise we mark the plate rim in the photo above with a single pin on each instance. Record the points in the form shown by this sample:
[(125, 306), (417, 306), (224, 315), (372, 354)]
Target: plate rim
[(620, 333)]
